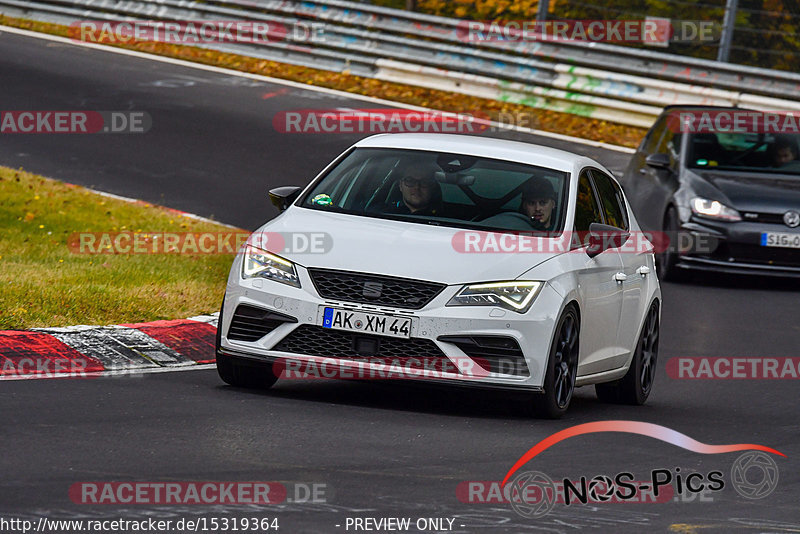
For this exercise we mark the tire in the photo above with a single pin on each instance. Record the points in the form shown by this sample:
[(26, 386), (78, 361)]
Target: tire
[(635, 387), (562, 368), (242, 373), (667, 261)]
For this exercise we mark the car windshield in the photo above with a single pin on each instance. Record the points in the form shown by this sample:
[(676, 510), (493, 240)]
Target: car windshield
[(444, 189), (758, 152)]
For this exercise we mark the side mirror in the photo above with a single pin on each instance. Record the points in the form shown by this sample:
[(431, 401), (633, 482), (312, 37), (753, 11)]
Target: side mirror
[(659, 161), (282, 197), (603, 237)]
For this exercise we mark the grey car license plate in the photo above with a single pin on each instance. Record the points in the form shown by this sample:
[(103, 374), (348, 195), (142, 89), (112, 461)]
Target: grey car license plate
[(366, 323), (778, 239)]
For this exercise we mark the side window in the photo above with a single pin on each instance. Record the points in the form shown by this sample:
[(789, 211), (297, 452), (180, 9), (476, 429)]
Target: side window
[(586, 210), (612, 200), (653, 139), (670, 145), (674, 147), (666, 142)]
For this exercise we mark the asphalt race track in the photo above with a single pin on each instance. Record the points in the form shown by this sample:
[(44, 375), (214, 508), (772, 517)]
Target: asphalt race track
[(376, 451)]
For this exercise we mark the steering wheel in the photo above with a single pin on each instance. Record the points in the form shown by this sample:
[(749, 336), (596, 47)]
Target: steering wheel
[(761, 142)]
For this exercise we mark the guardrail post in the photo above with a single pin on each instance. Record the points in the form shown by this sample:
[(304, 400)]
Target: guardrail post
[(728, 24), (541, 13)]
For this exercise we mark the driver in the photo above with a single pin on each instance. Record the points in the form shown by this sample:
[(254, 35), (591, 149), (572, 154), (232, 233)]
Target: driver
[(784, 151), (539, 202), (422, 194)]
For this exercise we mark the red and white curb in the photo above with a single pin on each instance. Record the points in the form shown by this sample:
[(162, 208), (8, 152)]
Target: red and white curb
[(93, 351)]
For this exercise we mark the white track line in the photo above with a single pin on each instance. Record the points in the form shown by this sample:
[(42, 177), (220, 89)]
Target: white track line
[(181, 213), (134, 371), (297, 85)]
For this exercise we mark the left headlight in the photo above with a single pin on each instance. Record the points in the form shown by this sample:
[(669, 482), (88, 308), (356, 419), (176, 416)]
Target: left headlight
[(514, 296), (260, 263), (714, 209)]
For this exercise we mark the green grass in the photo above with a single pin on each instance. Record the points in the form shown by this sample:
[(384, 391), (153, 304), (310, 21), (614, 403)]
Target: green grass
[(43, 283)]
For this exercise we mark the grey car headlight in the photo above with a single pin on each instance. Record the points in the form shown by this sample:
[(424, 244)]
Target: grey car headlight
[(514, 296), (260, 263), (713, 209)]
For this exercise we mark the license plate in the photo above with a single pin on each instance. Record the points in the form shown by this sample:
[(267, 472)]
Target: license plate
[(366, 323), (775, 239)]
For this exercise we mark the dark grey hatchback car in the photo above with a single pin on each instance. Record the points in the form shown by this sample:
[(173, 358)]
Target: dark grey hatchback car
[(727, 197)]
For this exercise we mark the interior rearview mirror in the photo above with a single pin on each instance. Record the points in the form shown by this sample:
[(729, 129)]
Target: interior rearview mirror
[(282, 197), (454, 178)]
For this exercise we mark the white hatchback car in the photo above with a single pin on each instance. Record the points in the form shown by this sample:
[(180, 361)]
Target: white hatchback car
[(459, 259)]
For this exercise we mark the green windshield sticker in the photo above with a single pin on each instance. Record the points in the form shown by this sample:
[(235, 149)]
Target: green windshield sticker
[(702, 162), (322, 200)]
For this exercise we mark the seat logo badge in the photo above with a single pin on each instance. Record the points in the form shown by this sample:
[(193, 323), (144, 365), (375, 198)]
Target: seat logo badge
[(372, 290), (792, 219)]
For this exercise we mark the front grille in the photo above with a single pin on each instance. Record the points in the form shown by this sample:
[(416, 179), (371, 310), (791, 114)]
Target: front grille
[(413, 353), (767, 218), (374, 289), (496, 354), (251, 324)]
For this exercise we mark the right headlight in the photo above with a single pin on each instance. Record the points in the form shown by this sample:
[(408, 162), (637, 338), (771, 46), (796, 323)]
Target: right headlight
[(260, 263), (514, 296), (713, 209)]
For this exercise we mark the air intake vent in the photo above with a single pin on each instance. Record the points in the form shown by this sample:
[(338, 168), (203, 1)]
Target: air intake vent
[(413, 353), (251, 324), (496, 354)]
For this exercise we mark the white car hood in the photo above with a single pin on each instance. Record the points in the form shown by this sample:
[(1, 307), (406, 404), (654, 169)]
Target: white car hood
[(394, 248)]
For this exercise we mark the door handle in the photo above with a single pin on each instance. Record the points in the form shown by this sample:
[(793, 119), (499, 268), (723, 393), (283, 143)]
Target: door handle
[(644, 270), (620, 277)]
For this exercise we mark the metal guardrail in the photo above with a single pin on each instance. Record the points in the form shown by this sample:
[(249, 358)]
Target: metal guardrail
[(614, 58), (614, 83)]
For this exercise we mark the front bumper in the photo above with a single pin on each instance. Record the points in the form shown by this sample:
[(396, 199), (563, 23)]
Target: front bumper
[(735, 248), (437, 332)]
